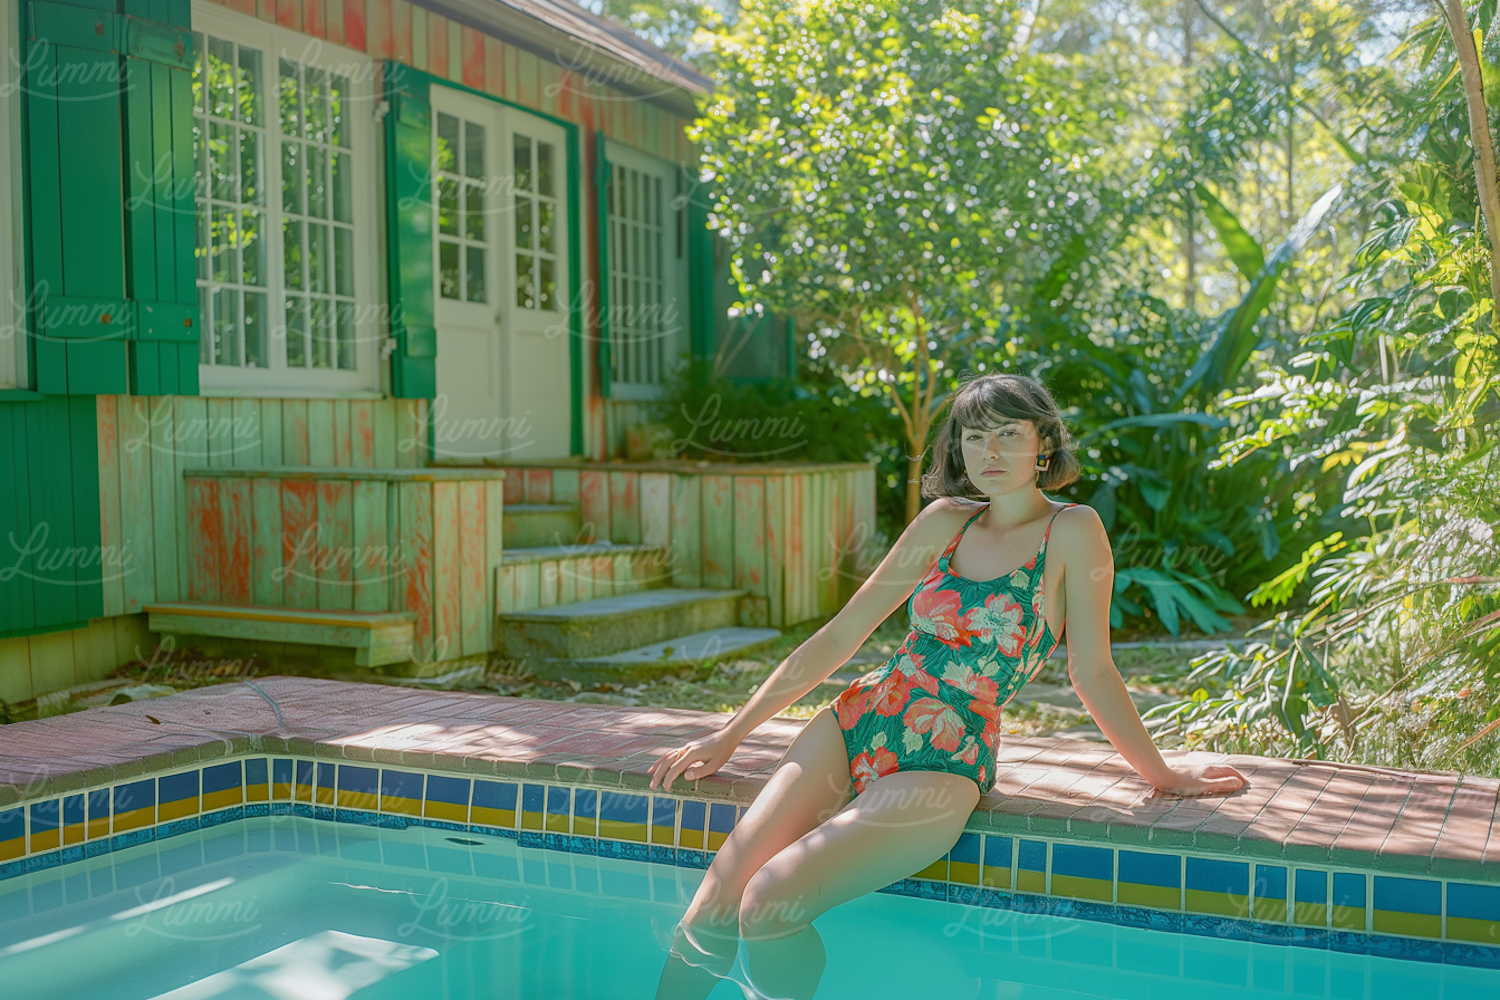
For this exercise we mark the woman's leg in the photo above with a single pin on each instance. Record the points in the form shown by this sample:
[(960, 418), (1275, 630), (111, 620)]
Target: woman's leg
[(809, 785), (898, 825)]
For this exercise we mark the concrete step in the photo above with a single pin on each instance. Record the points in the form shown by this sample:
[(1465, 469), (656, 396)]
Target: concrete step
[(615, 624), (377, 638), (528, 525), (698, 648), (545, 575)]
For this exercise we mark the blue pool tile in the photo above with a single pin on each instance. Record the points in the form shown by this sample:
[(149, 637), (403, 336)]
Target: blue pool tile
[(257, 780), (401, 792), (447, 798), (1348, 910), (75, 815), (586, 812), (693, 859), (45, 826), (663, 820), (662, 853), (223, 784), (998, 859), (495, 804), (1031, 866), (694, 824), (133, 805), (358, 788), (41, 862), (1083, 872), (721, 821), (1217, 887), (963, 859), (1148, 879), (624, 850), (623, 816), (1411, 907), (178, 795), (12, 834)]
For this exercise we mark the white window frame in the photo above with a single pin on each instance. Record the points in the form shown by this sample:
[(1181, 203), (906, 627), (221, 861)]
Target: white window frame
[(13, 339), (278, 380), (675, 272)]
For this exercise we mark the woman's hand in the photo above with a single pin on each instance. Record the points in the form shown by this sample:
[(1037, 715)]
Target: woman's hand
[(1204, 779), (695, 760)]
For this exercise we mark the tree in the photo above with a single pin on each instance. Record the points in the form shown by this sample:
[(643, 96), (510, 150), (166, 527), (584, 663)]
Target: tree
[(880, 168)]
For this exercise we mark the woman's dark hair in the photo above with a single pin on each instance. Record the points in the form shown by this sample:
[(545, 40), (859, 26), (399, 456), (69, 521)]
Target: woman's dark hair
[(981, 402)]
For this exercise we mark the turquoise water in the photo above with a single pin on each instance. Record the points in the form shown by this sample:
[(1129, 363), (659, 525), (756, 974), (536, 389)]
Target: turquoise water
[(300, 909)]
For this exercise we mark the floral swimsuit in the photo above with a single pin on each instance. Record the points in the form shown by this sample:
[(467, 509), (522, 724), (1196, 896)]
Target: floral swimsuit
[(935, 704)]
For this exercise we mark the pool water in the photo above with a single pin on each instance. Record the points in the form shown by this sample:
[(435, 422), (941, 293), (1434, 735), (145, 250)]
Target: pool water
[(299, 909)]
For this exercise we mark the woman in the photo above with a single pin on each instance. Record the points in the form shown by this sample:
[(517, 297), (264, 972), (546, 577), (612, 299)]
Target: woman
[(882, 783)]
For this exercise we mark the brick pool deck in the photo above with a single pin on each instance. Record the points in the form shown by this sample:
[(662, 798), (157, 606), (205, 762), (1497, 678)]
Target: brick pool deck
[(1438, 825)]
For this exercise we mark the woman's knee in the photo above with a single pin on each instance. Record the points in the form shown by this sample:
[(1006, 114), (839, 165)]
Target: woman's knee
[(770, 908)]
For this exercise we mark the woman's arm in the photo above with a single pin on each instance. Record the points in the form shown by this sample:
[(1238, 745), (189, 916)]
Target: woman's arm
[(827, 649), (1088, 580)]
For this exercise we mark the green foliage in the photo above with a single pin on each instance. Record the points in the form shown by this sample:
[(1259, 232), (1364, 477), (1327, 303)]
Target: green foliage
[(1399, 395), (812, 419)]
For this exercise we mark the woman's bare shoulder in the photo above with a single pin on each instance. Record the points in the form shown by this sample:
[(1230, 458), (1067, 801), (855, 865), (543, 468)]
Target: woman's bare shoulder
[(1078, 529), (940, 520)]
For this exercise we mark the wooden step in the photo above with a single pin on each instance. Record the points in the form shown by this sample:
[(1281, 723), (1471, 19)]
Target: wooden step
[(545, 575), (377, 638), (528, 525), (613, 624), (698, 648)]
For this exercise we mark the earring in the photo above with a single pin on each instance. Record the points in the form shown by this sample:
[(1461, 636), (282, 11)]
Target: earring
[(1042, 461)]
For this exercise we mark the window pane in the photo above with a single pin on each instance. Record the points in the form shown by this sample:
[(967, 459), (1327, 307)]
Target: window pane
[(474, 275), (317, 257), (322, 334), (524, 238), (448, 269), (315, 97), (220, 78), (473, 150), (447, 142), (522, 163), (203, 248), (225, 266), (548, 286), (296, 331), (346, 335), (447, 206), (290, 100), (252, 249), (291, 177), (221, 144), (249, 87), (343, 180), (291, 252), (545, 226), (343, 260), (544, 168), (317, 181), (226, 325), (474, 212), (250, 189), (200, 105), (338, 108), (525, 281), (255, 330), (207, 327)]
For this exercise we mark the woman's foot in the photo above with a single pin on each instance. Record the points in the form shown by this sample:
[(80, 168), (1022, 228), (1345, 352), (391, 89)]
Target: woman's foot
[(695, 964)]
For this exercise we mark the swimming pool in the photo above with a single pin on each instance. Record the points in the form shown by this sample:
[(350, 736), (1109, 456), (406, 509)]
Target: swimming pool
[(304, 909)]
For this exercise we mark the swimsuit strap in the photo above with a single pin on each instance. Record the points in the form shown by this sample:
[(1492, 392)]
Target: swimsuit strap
[(948, 552), (1042, 552)]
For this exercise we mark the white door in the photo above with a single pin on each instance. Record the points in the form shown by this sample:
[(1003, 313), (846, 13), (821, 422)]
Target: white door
[(500, 267)]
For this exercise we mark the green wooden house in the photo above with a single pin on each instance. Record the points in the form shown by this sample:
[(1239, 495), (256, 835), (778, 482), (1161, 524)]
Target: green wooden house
[(327, 324)]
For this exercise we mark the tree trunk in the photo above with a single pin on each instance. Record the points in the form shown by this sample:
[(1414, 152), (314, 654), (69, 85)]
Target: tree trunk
[(913, 485), (1479, 134)]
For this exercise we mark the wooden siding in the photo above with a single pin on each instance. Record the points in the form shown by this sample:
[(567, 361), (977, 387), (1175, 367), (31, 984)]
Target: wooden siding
[(796, 538), (424, 541), (37, 664), (145, 443)]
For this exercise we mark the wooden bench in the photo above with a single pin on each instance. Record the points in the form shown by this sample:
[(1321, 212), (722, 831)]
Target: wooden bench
[(377, 638)]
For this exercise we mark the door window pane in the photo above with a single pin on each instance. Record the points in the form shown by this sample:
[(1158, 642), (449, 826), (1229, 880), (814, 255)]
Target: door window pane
[(461, 178), (536, 220), (638, 329)]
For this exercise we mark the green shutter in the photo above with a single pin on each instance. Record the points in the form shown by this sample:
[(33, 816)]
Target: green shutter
[(160, 239), (700, 250), (408, 137), (603, 190), (75, 237)]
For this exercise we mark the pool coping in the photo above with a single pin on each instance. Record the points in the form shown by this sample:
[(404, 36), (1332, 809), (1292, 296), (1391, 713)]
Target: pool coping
[(1127, 856)]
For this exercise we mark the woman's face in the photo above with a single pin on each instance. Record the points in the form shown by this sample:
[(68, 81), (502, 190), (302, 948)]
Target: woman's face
[(1003, 457)]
